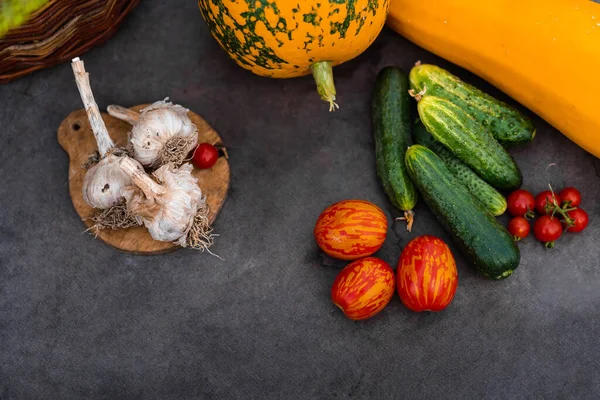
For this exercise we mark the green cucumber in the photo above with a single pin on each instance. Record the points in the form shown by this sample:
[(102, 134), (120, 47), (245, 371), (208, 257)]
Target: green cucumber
[(485, 242), (505, 123), (491, 199), (470, 142), (391, 127)]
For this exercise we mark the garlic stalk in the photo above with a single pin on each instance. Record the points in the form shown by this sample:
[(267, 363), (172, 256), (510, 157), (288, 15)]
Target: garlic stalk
[(162, 133), (170, 206), (104, 181)]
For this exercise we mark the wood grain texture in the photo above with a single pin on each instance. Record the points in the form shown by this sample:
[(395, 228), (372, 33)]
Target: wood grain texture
[(76, 138)]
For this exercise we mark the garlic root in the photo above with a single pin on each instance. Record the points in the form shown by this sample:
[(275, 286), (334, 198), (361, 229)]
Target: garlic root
[(115, 217), (200, 236)]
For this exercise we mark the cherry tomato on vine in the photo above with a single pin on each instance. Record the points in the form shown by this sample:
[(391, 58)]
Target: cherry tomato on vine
[(520, 202), (542, 197), (547, 229), (581, 220), (205, 156), (519, 228), (570, 195)]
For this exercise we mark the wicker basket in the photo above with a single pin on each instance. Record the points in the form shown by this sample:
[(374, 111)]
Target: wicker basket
[(59, 31)]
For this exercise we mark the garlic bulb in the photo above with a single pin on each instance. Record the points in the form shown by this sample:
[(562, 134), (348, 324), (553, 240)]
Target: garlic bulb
[(168, 209), (162, 133), (103, 181)]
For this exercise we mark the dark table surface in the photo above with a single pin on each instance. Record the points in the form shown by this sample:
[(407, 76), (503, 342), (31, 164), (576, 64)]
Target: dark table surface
[(80, 320)]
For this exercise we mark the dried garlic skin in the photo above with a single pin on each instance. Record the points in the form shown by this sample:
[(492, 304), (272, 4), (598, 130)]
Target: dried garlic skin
[(103, 183), (168, 215), (158, 124)]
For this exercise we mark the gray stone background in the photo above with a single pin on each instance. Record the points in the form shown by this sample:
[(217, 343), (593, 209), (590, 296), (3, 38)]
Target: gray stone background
[(80, 320)]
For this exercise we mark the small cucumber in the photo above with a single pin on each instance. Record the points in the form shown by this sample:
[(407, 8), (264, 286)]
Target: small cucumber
[(491, 199), (470, 142), (505, 123), (392, 125), (485, 242)]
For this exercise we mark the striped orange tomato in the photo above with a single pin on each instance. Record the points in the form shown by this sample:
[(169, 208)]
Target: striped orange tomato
[(351, 229), (363, 288), (426, 275)]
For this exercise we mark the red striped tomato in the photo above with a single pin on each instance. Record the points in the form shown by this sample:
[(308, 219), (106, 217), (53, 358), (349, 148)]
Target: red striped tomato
[(351, 229), (363, 288), (426, 275)]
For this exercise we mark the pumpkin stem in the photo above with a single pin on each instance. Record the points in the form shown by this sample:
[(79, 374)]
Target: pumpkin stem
[(323, 74)]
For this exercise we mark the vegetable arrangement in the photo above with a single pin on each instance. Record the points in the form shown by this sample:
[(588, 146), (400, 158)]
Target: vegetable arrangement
[(455, 155), (425, 279), (551, 207), (459, 162), (149, 182), (509, 44)]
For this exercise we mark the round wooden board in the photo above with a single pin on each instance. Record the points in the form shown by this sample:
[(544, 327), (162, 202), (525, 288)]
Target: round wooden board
[(76, 138)]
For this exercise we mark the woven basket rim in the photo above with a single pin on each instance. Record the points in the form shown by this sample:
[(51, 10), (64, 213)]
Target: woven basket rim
[(59, 31)]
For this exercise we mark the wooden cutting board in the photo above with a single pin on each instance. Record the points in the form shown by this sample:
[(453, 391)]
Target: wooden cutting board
[(76, 138)]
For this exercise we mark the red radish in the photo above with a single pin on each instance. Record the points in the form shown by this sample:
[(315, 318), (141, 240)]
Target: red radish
[(205, 156)]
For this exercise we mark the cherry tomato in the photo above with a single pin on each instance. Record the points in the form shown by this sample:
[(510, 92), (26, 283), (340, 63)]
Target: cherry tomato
[(519, 227), (520, 202), (547, 229), (570, 195), (541, 198), (205, 156), (581, 220)]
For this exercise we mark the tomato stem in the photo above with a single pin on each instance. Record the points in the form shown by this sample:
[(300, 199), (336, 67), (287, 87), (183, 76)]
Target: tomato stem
[(549, 245), (529, 214), (223, 150), (553, 207)]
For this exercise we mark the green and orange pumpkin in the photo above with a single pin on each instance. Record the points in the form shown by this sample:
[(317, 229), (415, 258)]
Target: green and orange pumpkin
[(426, 275), (285, 39), (363, 288), (351, 229)]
